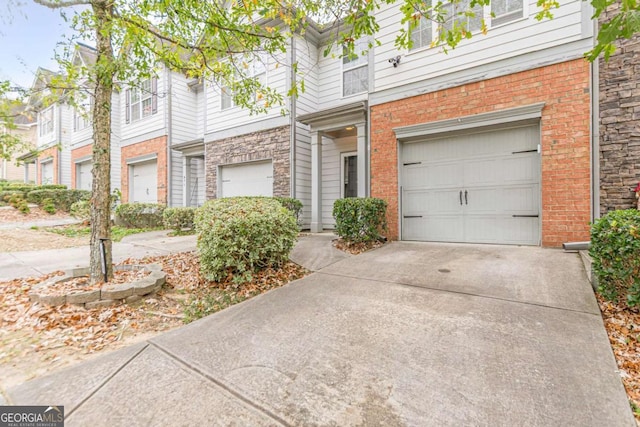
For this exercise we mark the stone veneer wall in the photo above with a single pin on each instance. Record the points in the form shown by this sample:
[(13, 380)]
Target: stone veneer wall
[(619, 124), (272, 144)]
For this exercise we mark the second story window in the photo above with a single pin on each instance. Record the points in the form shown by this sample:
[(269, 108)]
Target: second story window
[(82, 116), (45, 121), (355, 69), (422, 34), (257, 70), (142, 101), (226, 98), (506, 10)]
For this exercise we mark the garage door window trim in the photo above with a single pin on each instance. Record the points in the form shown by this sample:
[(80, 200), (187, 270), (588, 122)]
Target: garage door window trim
[(142, 159)]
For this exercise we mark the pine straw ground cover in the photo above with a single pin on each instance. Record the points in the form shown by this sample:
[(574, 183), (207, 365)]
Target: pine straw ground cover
[(36, 339), (623, 328)]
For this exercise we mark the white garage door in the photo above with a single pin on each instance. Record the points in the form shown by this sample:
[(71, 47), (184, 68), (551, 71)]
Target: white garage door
[(247, 179), (144, 182), (84, 177), (482, 188), (46, 169)]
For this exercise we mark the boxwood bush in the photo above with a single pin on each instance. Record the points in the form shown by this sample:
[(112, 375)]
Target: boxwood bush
[(238, 236), (62, 198), (360, 219), (615, 249), (139, 215), (178, 219)]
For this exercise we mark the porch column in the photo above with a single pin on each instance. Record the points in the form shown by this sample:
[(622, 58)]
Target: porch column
[(362, 159), (186, 180), (26, 172), (316, 182)]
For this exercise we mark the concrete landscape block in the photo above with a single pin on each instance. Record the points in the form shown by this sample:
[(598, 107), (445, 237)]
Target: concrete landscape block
[(83, 297), (117, 291), (53, 299), (145, 286), (101, 303)]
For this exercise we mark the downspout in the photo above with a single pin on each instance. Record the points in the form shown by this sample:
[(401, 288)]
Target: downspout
[(59, 138), (292, 120), (595, 133), (169, 137)]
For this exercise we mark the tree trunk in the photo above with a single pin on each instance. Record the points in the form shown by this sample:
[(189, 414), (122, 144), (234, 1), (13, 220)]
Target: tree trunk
[(101, 186)]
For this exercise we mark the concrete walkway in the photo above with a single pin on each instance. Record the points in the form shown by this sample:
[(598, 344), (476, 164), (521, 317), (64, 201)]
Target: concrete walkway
[(408, 334), (40, 223), (34, 263)]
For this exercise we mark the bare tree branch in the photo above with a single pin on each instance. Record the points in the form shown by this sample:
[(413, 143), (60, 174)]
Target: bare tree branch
[(52, 4)]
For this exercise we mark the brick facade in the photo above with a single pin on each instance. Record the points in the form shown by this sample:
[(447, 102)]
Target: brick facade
[(156, 146), (566, 172), (619, 124), (76, 154), (272, 144), (54, 153)]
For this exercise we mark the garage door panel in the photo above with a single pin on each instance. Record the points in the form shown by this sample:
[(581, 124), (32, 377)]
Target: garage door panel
[(145, 182), (498, 185), (248, 179)]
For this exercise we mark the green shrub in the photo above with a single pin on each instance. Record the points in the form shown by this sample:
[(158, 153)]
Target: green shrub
[(293, 205), (178, 219), (81, 210), (240, 235), (6, 195), (615, 249), (62, 198), (23, 206), (48, 206), (360, 219), (26, 188), (139, 215)]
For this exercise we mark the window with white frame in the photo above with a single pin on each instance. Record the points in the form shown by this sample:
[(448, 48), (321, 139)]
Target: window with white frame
[(226, 98), (142, 101), (355, 69), (82, 115), (257, 69), (456, 14), (45, 121)]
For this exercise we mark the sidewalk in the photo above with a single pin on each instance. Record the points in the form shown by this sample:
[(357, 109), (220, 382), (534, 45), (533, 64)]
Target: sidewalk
[(34, 263)]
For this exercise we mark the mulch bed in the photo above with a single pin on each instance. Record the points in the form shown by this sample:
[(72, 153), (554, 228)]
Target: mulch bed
[(623, 327), (356, 248), (9, 214), (80, 284)]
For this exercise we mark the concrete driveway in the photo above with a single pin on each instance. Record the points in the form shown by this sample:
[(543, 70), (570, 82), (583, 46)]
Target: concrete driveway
[(409, 334)]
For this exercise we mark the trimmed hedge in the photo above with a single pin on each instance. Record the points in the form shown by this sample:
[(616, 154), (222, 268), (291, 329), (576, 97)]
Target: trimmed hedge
[(360, 219), (5, 195), (178, 219), (25, 188), (62, 198), (238, 236), (139, 215), (292, 205), (81, 210), (615, 249)]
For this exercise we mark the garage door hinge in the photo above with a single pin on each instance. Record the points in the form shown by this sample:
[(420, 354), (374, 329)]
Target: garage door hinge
[(525, 216), (412, 216), (525, 151), (411, 163)]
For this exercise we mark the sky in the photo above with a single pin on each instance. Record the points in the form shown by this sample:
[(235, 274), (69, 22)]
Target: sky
[(29, 34)]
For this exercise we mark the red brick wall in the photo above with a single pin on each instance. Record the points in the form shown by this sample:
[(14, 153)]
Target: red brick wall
[(45, 154), (150, 146), (566, 173), (77, 154)]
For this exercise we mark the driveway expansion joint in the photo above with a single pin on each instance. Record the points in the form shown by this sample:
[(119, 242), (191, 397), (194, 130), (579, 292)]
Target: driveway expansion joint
[(463, 293), (219, 384)]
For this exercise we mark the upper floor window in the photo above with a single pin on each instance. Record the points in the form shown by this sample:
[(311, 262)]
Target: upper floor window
[(45, 121), (142, 101), (355, 69), (456, 15), (257, 70), (506, 10), (82, 115)]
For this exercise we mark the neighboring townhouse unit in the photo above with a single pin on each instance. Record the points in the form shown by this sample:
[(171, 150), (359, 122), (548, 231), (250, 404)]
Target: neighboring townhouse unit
[(162, 157), (51, 157), (491, 142), (23, 127), (619, 114), (82, 130)]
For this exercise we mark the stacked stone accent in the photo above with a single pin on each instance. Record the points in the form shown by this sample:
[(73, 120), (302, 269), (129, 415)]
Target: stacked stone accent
[(619, 123), (272, 144)]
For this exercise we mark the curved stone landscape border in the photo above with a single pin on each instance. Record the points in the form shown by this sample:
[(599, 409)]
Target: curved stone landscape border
[(107, 295)]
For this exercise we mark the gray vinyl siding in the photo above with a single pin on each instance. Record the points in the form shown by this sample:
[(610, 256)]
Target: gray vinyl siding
[(331, 150), (307, 58), (303, 172), (116, 171), (196, 196), (65, 144), (183, 110), (512, 39)]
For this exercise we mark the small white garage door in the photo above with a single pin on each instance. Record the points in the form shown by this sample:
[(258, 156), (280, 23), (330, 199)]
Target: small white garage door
[(482, 188), (46, 169), (144, 182), (84, 177), (247, 179)]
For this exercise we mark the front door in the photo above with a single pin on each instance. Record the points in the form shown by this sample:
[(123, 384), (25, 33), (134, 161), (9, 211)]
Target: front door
[(349, 175)]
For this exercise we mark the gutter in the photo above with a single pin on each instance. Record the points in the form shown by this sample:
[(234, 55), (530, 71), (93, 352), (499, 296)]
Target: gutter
[(59, 138), (292, 120), (595, 133)]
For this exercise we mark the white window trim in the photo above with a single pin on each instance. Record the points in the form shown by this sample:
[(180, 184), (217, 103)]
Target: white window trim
[(143, 96), (52, 121), (486, 15), (343, 69), (85, 119), (250, 74)]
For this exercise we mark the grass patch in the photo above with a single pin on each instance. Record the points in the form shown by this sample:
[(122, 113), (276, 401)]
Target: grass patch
[(117, 232), (198, 307)]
